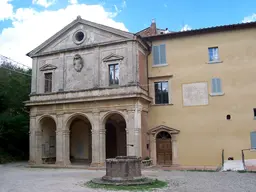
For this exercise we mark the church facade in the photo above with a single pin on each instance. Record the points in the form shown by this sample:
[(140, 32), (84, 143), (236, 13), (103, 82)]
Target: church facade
[(179, 98)]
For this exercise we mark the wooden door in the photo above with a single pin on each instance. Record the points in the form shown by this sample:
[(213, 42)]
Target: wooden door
[(164, 149)]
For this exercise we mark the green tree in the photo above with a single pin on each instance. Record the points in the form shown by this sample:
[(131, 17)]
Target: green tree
[(14, 118)]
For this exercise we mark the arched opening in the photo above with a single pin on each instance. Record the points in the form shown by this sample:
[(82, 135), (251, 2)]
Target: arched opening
[(80, 140), (115, 136), (164, 148), (48, 140)]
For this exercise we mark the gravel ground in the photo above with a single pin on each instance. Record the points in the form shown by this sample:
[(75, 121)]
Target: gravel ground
[(18, 178)]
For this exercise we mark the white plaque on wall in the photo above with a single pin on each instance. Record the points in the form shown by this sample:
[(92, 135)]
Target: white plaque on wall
[(195, 94)]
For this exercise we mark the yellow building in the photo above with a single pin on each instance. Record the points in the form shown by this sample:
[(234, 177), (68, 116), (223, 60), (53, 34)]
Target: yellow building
[(209, 75), (179, 98)]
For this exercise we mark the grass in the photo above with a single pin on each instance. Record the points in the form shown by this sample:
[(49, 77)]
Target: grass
[(246, 171), (156, 184)]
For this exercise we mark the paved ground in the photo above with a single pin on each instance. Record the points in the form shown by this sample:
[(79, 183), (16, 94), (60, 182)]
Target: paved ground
[(17, 178)]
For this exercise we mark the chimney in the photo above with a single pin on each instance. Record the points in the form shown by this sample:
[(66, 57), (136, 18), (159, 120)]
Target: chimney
[(153, 27)]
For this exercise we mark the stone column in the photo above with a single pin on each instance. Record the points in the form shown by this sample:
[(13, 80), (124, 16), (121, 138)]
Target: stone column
[(137, 133), (66, 147), (130, 134), (174, 150), (59, 140), (134, 132), (95, 148), (32, 142), (153, 149), (102, 147), (38, 142)]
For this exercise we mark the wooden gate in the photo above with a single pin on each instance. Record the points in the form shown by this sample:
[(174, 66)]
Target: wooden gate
[(164, 148)]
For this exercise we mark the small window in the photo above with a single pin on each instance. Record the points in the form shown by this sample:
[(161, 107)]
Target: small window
[(114, 74), (253, 140), (213, 54), (254, 112), (159, 54), (216, 86), (47, 82), (161, 92)]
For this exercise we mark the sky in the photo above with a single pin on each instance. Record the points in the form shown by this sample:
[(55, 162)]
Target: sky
[(25, 24)]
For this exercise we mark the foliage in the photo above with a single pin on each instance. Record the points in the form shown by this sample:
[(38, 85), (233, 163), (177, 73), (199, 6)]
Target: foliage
[(14, 118), (156, 184)]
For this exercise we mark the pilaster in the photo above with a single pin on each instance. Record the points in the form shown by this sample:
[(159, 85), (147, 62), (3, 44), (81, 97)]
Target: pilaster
[(32, 141), (38, 149), (174, 150)]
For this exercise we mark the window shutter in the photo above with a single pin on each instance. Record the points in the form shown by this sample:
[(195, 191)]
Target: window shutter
[(253, 140), (156, 55), (218, 83), (162, 54), (214, 85)]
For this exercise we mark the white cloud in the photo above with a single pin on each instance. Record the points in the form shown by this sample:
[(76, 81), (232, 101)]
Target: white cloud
[(72, 2), (30, 28), (250, 18), (6, 9), (44, 3), (186, 28)]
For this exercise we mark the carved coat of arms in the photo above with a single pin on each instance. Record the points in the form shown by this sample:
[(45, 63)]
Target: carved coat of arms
[(78, 63)]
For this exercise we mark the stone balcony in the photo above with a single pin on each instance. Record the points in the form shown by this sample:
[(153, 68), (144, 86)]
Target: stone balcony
[(96, 94)]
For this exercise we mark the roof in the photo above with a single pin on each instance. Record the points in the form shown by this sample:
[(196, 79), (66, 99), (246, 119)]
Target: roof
[(73, 23), (203, 30)]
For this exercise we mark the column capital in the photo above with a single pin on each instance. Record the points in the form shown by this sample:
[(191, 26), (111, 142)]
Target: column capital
[(38, 133), (58, 131), (174, 137), (102, 131), (65, 132)]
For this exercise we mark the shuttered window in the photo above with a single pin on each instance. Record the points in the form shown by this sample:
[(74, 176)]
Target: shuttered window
[(47, 82), (216, 86), (159, 54), (253, 140)]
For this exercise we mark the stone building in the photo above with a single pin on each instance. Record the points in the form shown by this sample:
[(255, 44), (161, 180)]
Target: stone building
[(86, 102), (180, 98)]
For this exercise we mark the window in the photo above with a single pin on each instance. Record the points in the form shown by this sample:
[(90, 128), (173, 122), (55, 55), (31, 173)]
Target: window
[(114, 74), (161, 92), (213, 54), (47, 82), (254, 111), (253, 140), (159, 55), (216, 86)]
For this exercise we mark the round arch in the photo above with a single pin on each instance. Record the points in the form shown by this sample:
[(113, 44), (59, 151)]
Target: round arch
[(43, 117), (47, 141), (80, 138), (110, 113), (114, 122), (74, 116)]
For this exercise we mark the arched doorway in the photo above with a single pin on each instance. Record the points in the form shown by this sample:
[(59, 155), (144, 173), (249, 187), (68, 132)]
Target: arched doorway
[(164, 148), (115, 126), (48, 140), (80, 140)]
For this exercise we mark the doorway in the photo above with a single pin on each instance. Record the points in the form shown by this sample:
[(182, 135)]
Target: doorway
[(164, 148)]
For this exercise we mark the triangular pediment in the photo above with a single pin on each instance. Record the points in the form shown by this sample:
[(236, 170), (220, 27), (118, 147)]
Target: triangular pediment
[(93, 34), (113, 57), (48, 67), (160, 128)]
